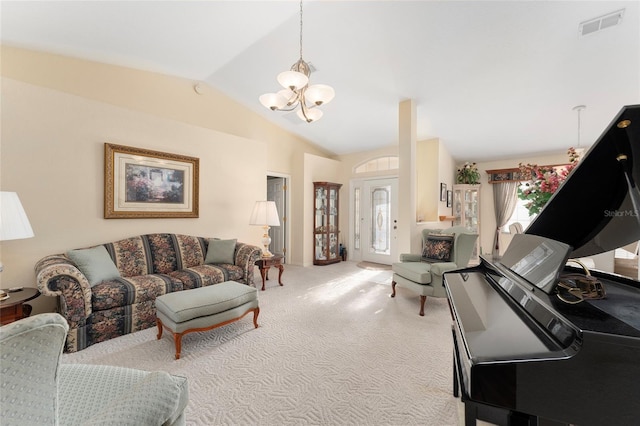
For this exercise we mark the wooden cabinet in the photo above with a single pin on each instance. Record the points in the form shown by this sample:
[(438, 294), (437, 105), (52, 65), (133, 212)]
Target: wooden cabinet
[(325, 223), (466, 212)]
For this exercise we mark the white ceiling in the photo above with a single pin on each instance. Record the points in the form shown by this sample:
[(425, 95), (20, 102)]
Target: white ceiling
[(491, 79)]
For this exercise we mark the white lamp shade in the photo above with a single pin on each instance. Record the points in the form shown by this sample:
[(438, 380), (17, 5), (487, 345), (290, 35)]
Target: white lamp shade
[(312, 115), (319, 94), (293, 80), (264, 213), (290, 96), (14, 224), (273, 101)]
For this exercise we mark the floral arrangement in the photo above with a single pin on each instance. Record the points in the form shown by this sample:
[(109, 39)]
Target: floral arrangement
[(468, 174), (544, 181)]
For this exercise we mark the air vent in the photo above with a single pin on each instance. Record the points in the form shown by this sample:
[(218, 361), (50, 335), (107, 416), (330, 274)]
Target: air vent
[(600, 23)]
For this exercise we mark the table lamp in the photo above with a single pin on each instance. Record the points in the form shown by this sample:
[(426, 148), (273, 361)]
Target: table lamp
[(14, 224), (265, 214)]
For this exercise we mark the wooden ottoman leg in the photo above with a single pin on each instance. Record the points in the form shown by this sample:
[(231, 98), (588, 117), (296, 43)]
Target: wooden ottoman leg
[(159, 324), (256, 312), (178, 338)]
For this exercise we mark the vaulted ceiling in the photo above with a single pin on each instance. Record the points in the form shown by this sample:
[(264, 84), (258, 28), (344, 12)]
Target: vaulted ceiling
[(491, 79)]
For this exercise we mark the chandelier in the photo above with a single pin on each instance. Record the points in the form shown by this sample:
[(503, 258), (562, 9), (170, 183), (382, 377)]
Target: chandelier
[(297, 92)]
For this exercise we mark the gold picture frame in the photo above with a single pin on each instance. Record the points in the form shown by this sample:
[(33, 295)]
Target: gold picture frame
[(140, 183)]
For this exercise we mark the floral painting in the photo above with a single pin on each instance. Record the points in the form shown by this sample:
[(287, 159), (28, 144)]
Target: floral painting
[(141, 183), (154, 184)]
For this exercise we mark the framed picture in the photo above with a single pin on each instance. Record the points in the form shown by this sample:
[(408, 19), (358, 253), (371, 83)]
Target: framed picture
[(139, 183), (443, 192), (449, 198)]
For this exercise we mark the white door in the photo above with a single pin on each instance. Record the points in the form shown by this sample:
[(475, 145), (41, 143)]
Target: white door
[(276, 191), (379, 213)]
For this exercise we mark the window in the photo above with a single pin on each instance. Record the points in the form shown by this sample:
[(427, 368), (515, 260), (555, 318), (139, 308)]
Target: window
[(378, 164), (520, 214)]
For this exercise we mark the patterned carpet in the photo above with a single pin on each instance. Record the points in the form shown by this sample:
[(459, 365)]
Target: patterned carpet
[(332, 349), (374, 266)]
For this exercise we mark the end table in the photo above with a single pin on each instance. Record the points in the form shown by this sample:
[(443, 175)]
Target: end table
[(264, 263), (14, 308)]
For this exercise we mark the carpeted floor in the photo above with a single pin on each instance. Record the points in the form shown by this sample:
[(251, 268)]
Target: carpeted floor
[(332, 349), (374, 266)]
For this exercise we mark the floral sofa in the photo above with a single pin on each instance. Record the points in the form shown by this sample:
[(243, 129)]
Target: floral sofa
[(145, 267)]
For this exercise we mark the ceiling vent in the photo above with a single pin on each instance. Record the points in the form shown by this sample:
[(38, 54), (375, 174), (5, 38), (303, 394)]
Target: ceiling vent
[(600, 23)]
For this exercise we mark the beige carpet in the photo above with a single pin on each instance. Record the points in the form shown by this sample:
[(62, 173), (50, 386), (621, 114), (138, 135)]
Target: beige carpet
[(332, 349), (374, 266)]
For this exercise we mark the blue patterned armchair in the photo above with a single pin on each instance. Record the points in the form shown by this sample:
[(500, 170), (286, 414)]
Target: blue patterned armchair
[(442, 250), (36, 389)]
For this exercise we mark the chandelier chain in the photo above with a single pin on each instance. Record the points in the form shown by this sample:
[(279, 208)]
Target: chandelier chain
[(300, 29)]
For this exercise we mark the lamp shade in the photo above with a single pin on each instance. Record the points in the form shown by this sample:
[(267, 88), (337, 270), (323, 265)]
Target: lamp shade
[(319, 94), (14, 224), (273, 101), (264, 213), (293, 80), (312, 115)]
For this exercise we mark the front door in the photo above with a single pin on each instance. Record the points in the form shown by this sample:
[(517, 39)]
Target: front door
[(379, 212)]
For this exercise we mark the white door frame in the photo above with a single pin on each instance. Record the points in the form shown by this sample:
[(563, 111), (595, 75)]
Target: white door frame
[(284, 218)]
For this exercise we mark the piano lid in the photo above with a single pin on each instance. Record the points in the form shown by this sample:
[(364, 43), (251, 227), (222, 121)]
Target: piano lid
[(597, 208)]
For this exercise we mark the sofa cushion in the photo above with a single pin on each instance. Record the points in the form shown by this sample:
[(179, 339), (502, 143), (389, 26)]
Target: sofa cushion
[(131, 290), (202, 302), (221, 251), (130, 256), (95, 263), (438, 248), (419, 272), (204, 275), (163, 253)]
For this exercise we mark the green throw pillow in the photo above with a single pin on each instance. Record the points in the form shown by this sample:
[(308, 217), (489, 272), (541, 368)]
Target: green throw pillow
[(95, 263), (221, 251)]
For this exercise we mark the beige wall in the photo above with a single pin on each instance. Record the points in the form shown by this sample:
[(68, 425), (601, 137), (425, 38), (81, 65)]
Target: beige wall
[(58, 112), (435, 165)]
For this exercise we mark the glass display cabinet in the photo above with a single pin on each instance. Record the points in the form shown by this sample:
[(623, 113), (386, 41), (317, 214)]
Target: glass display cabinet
[(466, 211), (325, 223)]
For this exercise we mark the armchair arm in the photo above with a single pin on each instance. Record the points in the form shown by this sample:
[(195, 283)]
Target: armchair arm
[(57, 276), (409, 257), (151, 401), (246, 257), (442, 267)]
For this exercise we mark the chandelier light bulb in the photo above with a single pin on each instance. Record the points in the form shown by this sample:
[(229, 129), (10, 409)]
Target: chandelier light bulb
[(292, 80), (319, 94)]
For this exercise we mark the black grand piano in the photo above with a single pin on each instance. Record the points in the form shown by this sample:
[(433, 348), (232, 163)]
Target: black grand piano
[(521, 354)]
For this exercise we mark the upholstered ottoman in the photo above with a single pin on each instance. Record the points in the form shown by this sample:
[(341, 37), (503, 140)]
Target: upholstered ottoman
[(205, 308)]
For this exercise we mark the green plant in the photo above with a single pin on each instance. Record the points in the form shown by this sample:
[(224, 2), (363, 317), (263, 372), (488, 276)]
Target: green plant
[(468, 174)]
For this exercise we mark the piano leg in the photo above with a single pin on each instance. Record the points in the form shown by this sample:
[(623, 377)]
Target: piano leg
[(456, 387)]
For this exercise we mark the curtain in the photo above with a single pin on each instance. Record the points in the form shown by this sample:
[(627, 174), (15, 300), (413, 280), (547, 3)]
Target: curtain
[(505, 198)]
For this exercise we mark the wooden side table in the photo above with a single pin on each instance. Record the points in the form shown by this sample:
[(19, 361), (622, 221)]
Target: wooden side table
[(264, 263), (14, 308)]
